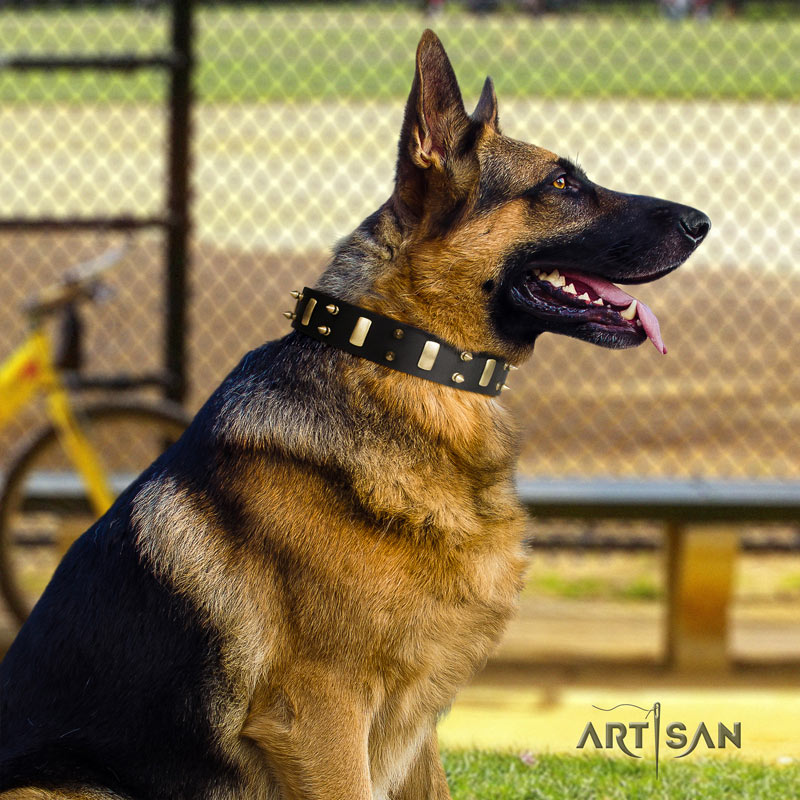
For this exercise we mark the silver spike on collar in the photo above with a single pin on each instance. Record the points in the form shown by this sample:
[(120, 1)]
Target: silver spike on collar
[(394, 344)]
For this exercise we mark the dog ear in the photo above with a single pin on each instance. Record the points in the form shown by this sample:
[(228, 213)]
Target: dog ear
[(486, 110), (434, 125)]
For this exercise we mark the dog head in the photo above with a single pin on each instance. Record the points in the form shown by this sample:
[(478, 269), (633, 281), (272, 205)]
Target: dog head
[(503, 240)]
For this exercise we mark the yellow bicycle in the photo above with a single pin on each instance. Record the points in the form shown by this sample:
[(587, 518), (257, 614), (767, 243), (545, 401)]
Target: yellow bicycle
[(71, 470)]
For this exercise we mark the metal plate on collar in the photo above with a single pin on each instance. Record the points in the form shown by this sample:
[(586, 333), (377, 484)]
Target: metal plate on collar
[(428, 357)]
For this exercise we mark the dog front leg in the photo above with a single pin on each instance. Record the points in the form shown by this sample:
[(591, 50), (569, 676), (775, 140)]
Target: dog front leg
[(426, 779), (315, 744)]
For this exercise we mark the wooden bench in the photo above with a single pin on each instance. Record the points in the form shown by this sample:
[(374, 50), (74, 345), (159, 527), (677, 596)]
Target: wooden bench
[(700, 519)]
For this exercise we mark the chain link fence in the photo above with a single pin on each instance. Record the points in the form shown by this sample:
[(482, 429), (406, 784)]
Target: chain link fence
[(298, 109)]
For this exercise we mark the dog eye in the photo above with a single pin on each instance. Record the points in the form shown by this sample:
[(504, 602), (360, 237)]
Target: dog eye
[(560, 182)]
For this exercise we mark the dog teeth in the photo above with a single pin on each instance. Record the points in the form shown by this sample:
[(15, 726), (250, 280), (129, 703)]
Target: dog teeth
[(599, 301), (584, 296), (570, 289), (630, 312), (555, 278)]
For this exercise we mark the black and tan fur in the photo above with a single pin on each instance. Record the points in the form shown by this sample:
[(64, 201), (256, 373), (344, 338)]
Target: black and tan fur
[(284, 604)]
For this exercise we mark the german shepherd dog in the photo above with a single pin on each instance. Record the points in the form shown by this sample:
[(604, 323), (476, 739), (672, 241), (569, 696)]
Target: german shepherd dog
[(284, 603)]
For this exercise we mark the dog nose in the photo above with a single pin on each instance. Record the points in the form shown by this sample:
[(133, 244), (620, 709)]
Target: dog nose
[(695, 225)]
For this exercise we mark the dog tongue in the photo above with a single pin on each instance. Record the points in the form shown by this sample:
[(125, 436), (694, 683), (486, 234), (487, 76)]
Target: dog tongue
[(614, 295), (651, 327)]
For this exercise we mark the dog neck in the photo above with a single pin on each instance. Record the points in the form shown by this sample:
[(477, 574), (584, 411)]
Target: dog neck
[(436, 430)]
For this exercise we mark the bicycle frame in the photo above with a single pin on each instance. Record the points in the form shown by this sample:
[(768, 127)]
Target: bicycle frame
[(31, 370)]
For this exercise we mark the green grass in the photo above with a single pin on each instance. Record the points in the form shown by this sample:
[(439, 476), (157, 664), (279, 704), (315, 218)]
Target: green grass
[(790, 584), (488, 776), (366, 53), (588, 587)]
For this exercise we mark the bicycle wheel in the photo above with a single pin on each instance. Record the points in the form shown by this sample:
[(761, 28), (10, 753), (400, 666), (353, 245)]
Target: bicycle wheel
[(44, 506)]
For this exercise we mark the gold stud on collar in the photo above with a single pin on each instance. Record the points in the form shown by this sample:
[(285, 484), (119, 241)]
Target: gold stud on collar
[(332, 309), (297, 295), (398, 333), (457, 377), (289, 314), (324, 330), (389, 355), (466, 356)]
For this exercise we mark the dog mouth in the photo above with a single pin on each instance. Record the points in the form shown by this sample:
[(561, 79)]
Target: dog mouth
[(606, 313)]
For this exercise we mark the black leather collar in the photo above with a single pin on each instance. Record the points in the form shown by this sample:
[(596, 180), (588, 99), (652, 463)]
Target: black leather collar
[(395, 345)]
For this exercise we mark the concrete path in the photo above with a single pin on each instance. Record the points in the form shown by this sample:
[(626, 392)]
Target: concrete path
[(547, 712)]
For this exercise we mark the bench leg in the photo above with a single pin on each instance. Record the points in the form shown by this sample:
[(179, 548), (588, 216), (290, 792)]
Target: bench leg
[(700, 564)]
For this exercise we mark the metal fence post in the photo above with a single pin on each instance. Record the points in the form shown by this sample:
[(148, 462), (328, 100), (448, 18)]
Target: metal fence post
[(178, 200)]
